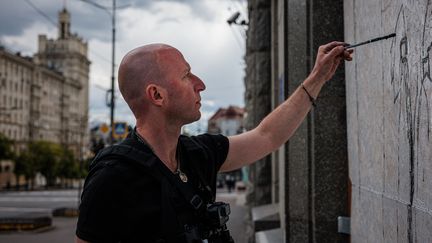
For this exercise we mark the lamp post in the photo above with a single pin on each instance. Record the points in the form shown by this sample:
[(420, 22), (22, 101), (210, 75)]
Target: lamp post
[(112, 74), (112, 13)]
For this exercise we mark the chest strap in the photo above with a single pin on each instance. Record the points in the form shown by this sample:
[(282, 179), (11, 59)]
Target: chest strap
[(151, 162)]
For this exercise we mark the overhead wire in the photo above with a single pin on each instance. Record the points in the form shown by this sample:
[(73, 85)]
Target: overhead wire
[(41, 13), (236, 37), (55, 25)]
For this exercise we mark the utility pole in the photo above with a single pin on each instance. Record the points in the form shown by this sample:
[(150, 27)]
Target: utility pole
[(112, 74), (112, 13)]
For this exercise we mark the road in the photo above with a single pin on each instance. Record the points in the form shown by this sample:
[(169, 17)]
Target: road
[(36, 201), (63, 230)]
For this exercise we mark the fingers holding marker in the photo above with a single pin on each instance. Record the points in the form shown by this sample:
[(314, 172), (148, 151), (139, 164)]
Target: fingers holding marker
[(336, 51), (347, 54), (330, 46), (340, 52)]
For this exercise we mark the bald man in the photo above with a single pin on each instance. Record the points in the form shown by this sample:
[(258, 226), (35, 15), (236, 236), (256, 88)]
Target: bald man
[(139, 191)]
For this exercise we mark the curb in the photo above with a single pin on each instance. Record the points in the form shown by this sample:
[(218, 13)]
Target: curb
[(25, 222), (65, 212)]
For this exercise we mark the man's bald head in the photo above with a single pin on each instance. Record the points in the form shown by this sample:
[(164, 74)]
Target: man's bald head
[(138, 68)]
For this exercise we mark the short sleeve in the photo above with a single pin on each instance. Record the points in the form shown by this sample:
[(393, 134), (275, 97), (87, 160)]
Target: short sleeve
[(216, 147), (98, 216)]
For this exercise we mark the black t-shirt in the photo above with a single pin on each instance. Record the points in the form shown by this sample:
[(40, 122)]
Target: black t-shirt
[(124, 201)]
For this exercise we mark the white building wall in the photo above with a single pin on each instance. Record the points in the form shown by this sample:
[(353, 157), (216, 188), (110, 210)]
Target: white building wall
[(389, 115), (229, 127)]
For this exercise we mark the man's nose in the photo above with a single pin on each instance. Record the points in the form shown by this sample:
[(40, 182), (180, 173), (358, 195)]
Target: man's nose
[(199, 84)]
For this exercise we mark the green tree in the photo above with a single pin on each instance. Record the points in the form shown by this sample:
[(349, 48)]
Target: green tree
[(68, 167), (6, 151), (47, 157), (25, 165)]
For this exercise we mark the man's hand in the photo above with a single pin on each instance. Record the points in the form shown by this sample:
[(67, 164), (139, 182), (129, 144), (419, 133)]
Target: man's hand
[(328, 59), (279, 125)]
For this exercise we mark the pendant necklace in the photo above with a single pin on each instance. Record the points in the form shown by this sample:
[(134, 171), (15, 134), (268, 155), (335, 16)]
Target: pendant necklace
[(181, 174), (183, 177)]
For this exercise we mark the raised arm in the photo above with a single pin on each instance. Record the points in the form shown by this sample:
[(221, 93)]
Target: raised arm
[(277, 127)]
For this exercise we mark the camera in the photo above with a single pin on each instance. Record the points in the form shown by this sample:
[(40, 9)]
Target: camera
[(213, 228), (217, 214)]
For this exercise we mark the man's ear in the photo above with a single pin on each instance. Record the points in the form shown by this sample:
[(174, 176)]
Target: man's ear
[(155, 94)]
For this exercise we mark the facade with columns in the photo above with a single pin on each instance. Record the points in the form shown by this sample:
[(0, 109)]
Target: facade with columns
[(45, 97)]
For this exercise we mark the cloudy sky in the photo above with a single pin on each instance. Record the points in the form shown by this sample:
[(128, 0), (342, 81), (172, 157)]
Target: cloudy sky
[(198, 28)]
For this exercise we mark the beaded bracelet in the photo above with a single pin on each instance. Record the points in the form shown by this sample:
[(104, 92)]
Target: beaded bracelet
[(312, 99)]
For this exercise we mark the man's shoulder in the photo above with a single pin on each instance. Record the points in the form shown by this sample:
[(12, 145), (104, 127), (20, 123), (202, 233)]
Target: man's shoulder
[(124, 154), (115, 174), (120, 163), (203, 140)]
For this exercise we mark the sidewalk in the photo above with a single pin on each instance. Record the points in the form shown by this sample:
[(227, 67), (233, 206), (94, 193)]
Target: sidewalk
[(63, 229), (239, 213)]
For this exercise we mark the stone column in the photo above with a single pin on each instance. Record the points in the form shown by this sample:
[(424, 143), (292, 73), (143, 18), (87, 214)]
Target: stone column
[(316, 171), (257, 94)]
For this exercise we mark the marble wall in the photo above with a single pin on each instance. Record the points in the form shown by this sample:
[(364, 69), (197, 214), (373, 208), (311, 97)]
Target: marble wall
[(389, 117)]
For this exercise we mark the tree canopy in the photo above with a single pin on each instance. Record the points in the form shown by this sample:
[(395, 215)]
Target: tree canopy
[(50, 159), (6, 151)]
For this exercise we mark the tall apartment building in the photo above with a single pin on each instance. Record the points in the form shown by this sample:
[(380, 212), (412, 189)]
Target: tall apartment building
[(46, 97)]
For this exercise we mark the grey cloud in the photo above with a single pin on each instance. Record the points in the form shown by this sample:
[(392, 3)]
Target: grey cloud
[(15, 16), (89, 21), (199, 8), (168, 19)]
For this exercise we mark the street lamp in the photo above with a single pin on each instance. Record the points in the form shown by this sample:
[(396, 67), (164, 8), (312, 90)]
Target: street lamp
[(112, 13)]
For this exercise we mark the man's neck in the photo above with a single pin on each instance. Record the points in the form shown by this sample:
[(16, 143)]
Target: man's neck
[(162, 139)]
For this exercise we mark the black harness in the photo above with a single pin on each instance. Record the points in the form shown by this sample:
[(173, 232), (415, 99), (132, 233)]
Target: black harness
[(198, 198)]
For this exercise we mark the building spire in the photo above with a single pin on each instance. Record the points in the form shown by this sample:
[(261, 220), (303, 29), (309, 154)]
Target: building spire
[(64, 23)]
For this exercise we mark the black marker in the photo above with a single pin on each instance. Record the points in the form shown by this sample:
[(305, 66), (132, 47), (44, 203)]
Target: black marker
[(370, 41)]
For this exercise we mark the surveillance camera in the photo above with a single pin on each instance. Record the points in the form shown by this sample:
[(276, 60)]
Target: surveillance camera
[(233, 18)]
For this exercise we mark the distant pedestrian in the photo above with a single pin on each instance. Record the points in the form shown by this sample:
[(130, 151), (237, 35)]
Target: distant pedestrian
[(230, 182), (159, 186)]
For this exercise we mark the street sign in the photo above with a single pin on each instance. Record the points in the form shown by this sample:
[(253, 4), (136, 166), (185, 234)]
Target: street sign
[(104, 128), (120, 130)]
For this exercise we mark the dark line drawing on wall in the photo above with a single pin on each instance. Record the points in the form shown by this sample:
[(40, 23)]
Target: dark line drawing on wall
[(426, 80), (399, 78), (423, 105), (411, 81), (424, 109), (400, 70), (402, 100)]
